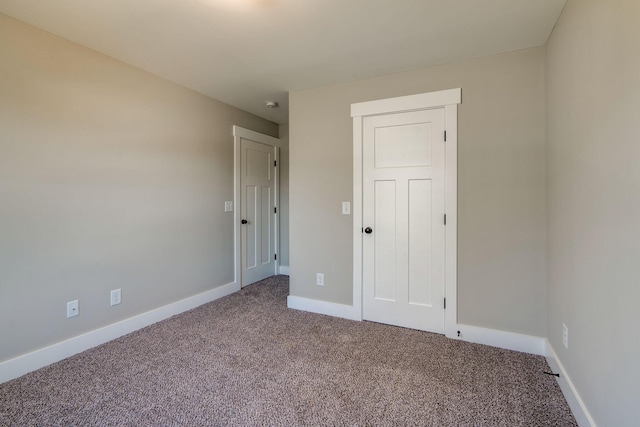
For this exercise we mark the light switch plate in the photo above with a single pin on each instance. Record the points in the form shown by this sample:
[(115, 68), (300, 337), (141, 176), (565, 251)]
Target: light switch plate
[(228, 206), (346, 208)]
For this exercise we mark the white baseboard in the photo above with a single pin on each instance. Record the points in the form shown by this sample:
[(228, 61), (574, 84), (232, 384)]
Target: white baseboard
[(492, 337), (579, 409), (323, 307), (283, 269), (502, 339), (18, 366)]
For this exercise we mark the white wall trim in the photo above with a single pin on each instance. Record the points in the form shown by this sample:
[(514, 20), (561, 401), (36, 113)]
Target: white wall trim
[(474, 334), (357, 215), (579, 409), (256, 136), (448, 100), (283, 269), (18, 366), (407, 103), (451, 210), (503, 339), (323, 307)]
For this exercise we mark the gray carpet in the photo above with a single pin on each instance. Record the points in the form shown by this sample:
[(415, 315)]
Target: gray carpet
[(248, 360)]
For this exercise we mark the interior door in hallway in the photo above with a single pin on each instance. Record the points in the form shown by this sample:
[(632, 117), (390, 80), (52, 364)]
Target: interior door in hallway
[(258, 191), (403, 219)]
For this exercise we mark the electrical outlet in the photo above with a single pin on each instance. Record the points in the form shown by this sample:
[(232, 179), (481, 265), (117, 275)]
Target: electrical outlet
[(73, 309), (320, 279), (565, 336), (116, 296), (228, 206)]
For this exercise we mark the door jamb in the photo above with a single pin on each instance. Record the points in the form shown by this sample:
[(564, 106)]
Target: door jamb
[(240, 133), (449, 100)]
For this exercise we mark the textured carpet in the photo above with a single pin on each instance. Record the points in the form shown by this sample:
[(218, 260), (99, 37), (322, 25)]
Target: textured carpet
[(248, 360)]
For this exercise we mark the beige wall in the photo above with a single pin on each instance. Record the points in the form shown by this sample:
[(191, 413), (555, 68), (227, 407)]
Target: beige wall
[(594, 203), (502, 223), (109, 178)]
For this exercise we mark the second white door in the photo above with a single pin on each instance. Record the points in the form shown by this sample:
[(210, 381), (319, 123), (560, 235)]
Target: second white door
[(257, 193), (403, 219)]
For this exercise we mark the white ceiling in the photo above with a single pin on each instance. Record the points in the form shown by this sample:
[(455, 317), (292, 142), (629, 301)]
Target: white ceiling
[(246, 52)]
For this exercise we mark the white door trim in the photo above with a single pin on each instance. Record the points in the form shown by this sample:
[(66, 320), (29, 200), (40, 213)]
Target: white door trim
[(449, 100), (240, 133)]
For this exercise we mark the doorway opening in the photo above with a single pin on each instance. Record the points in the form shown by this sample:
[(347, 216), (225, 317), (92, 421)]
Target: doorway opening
[(256, 192), (405, 210)]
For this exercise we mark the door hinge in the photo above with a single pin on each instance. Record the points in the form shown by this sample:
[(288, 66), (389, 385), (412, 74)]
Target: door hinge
[(445, 136), (445, 303), (275, 163), (275, 210), (275, 256), (445, 219)]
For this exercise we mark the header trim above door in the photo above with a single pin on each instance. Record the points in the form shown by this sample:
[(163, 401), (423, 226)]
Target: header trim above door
[(399, 104)]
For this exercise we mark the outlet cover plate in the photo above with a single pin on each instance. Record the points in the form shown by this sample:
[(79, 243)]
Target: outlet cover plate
[(116, 296), (73, 308)]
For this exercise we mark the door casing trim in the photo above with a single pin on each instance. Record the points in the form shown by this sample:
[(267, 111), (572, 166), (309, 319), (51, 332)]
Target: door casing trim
[(240, 133), (448, 100)]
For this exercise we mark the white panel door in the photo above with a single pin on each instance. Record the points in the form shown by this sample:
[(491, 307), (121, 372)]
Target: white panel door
[(403, 219), (257, 181)]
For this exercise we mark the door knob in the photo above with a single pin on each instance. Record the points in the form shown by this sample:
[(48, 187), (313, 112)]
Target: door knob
[(368, 230), (244, 221)]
